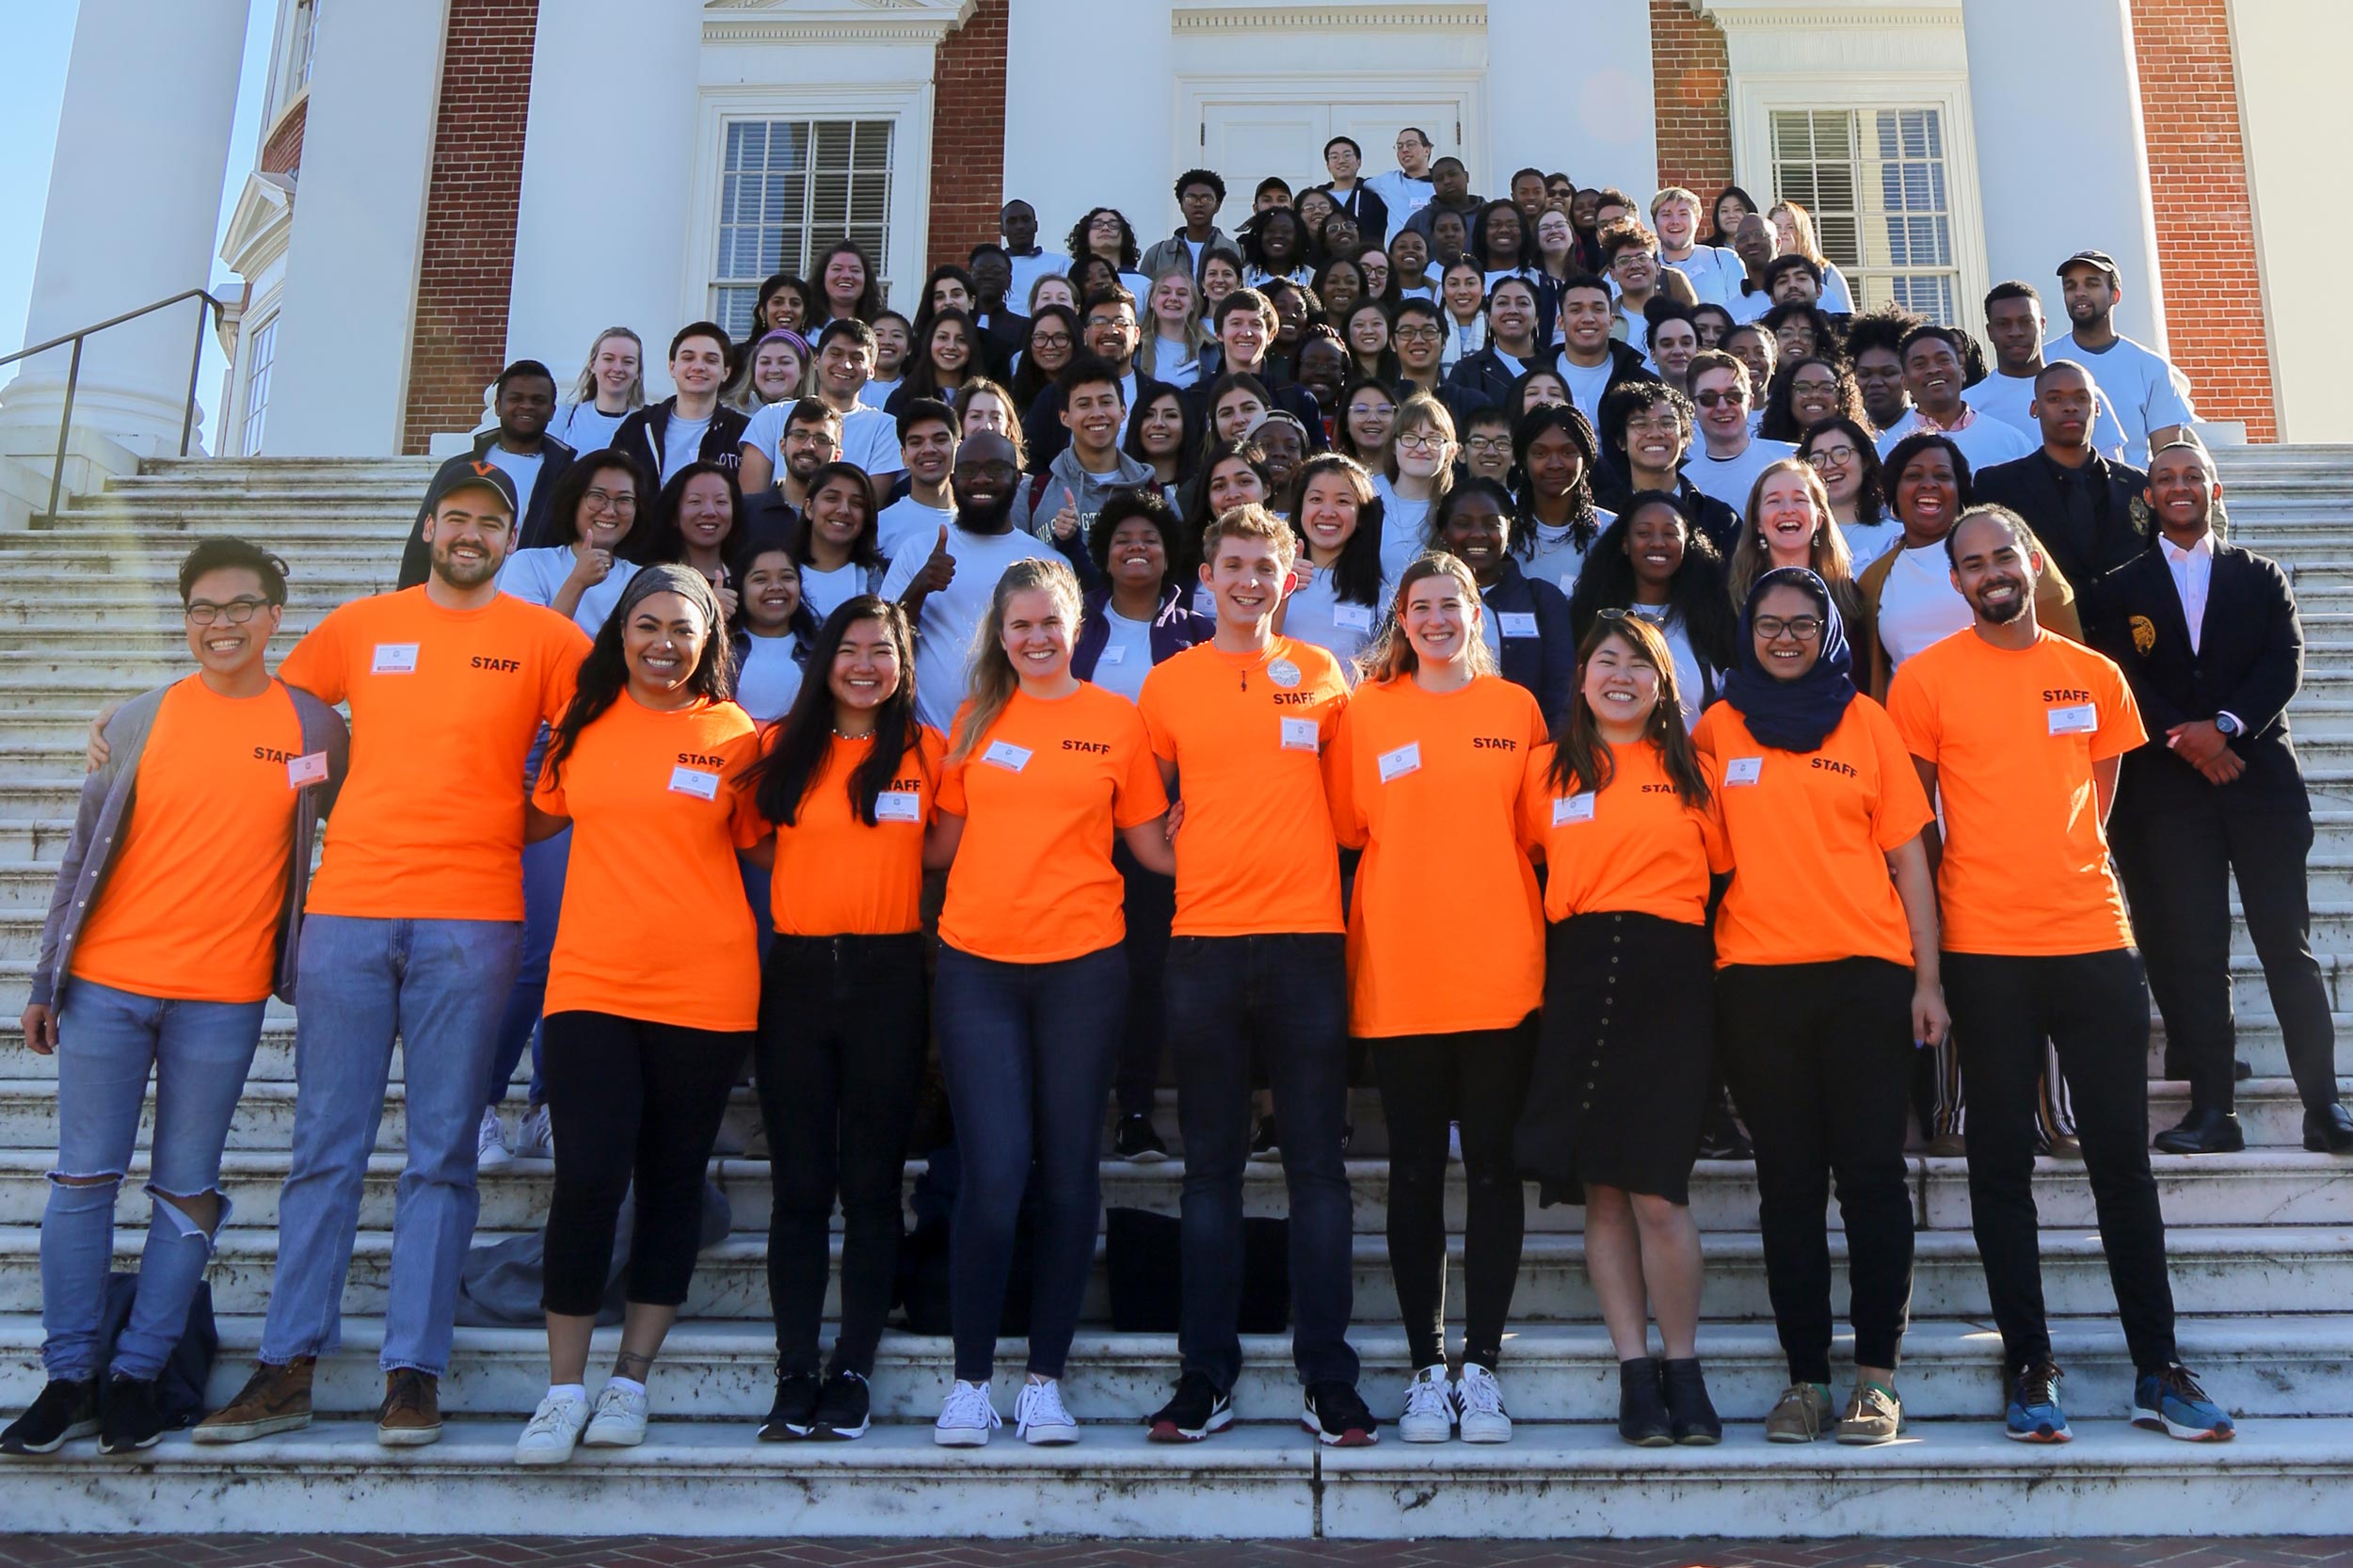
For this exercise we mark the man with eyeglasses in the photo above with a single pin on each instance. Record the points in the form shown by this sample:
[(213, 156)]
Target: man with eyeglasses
[(1342, 158), (1729, 458), (2077, 500), (1487, 445), (1407, 189), (1645, 432), (811, 439), (1419, 338), (524, 400)]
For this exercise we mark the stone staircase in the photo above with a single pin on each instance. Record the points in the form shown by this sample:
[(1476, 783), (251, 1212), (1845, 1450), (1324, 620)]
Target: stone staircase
[(2261, 1242)]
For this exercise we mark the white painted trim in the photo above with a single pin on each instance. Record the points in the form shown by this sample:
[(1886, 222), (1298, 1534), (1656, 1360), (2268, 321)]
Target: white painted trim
[(1321, 19), (1196, 91), (790, 22), (260, 313)]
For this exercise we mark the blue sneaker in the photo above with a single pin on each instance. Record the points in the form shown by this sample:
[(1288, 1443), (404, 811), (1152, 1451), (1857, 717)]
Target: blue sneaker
[(2034, 1415), (2171, 1402)]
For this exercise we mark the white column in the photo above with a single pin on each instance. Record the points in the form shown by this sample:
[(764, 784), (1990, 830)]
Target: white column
[(341, 380), (1090, 107), (1570, 95), (2056, 96), (151, 95), (608, 184)]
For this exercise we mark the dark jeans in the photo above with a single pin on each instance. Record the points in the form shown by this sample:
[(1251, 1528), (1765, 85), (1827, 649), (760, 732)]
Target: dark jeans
[(1480, 1079), (1150, 905), (629, 1100), (2094, 1009), (838, 1057), (1027, 1052), (1820, 1057), (1284, 998)]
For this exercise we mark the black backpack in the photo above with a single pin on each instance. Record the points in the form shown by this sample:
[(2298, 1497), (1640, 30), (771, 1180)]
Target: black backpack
[(180, 1386)]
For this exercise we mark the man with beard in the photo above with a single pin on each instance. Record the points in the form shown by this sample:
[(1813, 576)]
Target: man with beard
[(2022, 733), (946, 590), (811, 439), (2208, 636), (525, 397), (2150, 396), (413, 926)]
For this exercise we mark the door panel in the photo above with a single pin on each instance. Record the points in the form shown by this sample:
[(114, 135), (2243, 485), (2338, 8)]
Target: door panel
[(1246, 142)]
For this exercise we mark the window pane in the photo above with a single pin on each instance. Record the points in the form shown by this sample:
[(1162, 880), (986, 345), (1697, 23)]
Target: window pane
[(786, 189), (1874, 181)]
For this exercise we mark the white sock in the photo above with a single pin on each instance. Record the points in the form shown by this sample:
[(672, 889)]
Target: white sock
[(628, 1385), (576, 1392)]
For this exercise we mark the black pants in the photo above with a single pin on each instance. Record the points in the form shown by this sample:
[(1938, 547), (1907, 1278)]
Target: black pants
[(843, 1025), (1819, 1056), (1479, 1079), (1150, 906), (629, 1100), (2177, 868), (2095, 1010)]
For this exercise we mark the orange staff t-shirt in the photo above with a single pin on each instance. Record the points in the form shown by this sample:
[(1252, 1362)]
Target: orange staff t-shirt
[(2013, 734), (1806, 835), (1632, 847), (1042, 795), (655, 925), (191, 905), (836, 877), (1445, 936), (1246, 732), (444, 707)]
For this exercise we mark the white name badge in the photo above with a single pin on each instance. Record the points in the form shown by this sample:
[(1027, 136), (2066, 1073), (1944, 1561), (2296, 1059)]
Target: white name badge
[(1517, 624), (1353, 617), (1114, 653), (311, 768), (2082, 719), (394, 659), (1005, 754), (1743, 770), (695, 781), (1301, 735), (1404, 760), (1569, 808), (897, 805)]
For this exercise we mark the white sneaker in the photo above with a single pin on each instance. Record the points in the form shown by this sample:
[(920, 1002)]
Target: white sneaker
[(490, 1147), (553, 1432), (1038, 1414), (536, 1138), (1479, 1407), (966, 1418), (1429, 1412), (619, 1421)]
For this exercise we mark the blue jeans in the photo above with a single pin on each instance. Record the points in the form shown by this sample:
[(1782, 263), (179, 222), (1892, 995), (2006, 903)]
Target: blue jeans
[(1027, 1052), (438, 986), (544, 865), (1284, 997), (107, 1040)]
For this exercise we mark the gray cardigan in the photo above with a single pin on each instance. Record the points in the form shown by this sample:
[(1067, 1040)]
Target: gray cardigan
[(106, 808)]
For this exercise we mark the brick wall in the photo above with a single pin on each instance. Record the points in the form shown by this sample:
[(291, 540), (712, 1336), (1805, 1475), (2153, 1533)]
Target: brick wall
[(2205, 227), (283, 153), (467, 265), (1691, 75), (968, 135)]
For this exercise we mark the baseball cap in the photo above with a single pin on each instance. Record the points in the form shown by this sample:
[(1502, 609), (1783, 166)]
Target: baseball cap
[(476, 474), (2100, 258)]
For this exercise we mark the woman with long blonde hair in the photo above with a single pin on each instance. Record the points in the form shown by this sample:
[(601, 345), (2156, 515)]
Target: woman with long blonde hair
[(1788, 522), (610, 387), (1171, 336)]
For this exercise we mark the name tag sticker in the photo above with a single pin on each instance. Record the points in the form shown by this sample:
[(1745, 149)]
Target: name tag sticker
[(1353, 617), (2081, 719), (1301, 735), (1517, 624), (1114, 653), (1569, 808), (897, 805), (1743, 770), (1404, 760), (1005, 754), (394, 659), (697, 782), (310, 768)]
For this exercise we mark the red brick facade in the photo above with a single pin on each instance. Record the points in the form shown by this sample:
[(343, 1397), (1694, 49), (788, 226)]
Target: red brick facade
[(1691, 75), (968, 135), (283, 153), (467, 266), (2205, 216)]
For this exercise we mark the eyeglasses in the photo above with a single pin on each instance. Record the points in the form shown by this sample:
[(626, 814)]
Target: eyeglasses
[(1419, 334), (238, 611), (605, 501), (1420, 441), (1666, 422), (1832, 456), (1710, 398), (1813, 389), (1805, 628), (1366, 410), (1050, 339), (1488, 443)]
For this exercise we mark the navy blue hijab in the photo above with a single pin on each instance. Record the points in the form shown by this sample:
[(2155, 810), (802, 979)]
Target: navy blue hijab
[(1792, 715)]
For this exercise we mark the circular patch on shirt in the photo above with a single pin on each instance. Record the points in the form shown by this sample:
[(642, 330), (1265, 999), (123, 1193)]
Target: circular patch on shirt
[(1283, 673)]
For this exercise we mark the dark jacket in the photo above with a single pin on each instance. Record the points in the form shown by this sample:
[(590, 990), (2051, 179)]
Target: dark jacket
[(1419, 223), (2249, 663), (1003, 332), (2089, 541), (642, 434), (416, 557), (1367, 206), (1045, 435), (1289, 398), (1545, 664), (1480, 381), (1173, 252), (1176, 627), (1613, 493)]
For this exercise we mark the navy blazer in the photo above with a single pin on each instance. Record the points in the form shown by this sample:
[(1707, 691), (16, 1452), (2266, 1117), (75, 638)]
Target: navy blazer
[(1175, 628), (1545, 664)]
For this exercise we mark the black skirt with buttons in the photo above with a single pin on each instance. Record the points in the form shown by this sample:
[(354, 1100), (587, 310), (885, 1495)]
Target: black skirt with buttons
[(1622, 1059)]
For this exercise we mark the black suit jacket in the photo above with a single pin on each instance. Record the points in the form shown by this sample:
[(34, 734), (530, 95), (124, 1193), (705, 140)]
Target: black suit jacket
[(2029, 485), (2249, 663)]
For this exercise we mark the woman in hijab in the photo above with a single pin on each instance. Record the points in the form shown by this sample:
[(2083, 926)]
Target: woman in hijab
[(1826, 953)]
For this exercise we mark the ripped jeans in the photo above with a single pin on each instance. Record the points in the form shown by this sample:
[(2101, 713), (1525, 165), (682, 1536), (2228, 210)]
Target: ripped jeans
[(107, 1042)]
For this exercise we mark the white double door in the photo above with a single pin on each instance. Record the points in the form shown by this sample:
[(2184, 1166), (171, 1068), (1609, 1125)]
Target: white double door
[(1247, 136)]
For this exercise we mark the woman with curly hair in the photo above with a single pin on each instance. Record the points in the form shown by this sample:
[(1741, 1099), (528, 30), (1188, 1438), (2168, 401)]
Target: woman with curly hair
[(1804, 392), (1650, 561)]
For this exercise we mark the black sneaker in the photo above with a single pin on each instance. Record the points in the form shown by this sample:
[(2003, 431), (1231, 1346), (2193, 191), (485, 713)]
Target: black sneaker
[(1264, 1144), (795, 1414), (1337, 1416), (841, 1408), (1135, 1141), (65, 1410), (1196, 1411), (132, 1419)]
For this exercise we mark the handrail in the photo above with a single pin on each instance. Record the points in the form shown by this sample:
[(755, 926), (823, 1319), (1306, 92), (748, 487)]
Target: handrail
[(73, 372)]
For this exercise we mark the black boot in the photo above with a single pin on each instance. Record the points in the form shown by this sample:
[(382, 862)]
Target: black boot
[(1642, 1419), (1693, 1418)]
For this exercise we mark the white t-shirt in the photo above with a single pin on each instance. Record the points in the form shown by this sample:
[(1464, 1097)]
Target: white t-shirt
[(682, 442), (1027, 270), (1867, 542), (1585, 383), (944, 629), (1402, 195), (1167, 366), (1728, 479), (770, 678), (1126, 656), (1633, 329), (2146, 392), (522, 467), (2007, 398), (1554, 556), (827, 591), (1984, 440), (1716, 275), (1315, 614), (1838, 298), (1690, 681), (870, 439), (535, 575), (1918, 603), (584, 428), (907, 523), (1403, 528), (875, 393)]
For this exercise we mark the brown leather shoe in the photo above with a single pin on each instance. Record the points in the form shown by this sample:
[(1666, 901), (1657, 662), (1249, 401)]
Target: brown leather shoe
[(274, 1399), (412, 1417)]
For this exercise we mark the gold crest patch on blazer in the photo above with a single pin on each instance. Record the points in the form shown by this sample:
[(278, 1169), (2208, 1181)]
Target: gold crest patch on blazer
[(2144, 634)]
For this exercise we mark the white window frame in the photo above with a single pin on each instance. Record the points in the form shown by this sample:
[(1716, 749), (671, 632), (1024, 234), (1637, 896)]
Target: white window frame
[(250, 437)]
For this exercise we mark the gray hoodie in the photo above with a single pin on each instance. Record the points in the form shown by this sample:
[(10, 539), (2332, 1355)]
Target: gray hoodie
[(1042, 495), (1174, 253)]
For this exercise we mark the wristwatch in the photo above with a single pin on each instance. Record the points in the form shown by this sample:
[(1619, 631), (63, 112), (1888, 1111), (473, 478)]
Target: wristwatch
[(2225, 723)]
